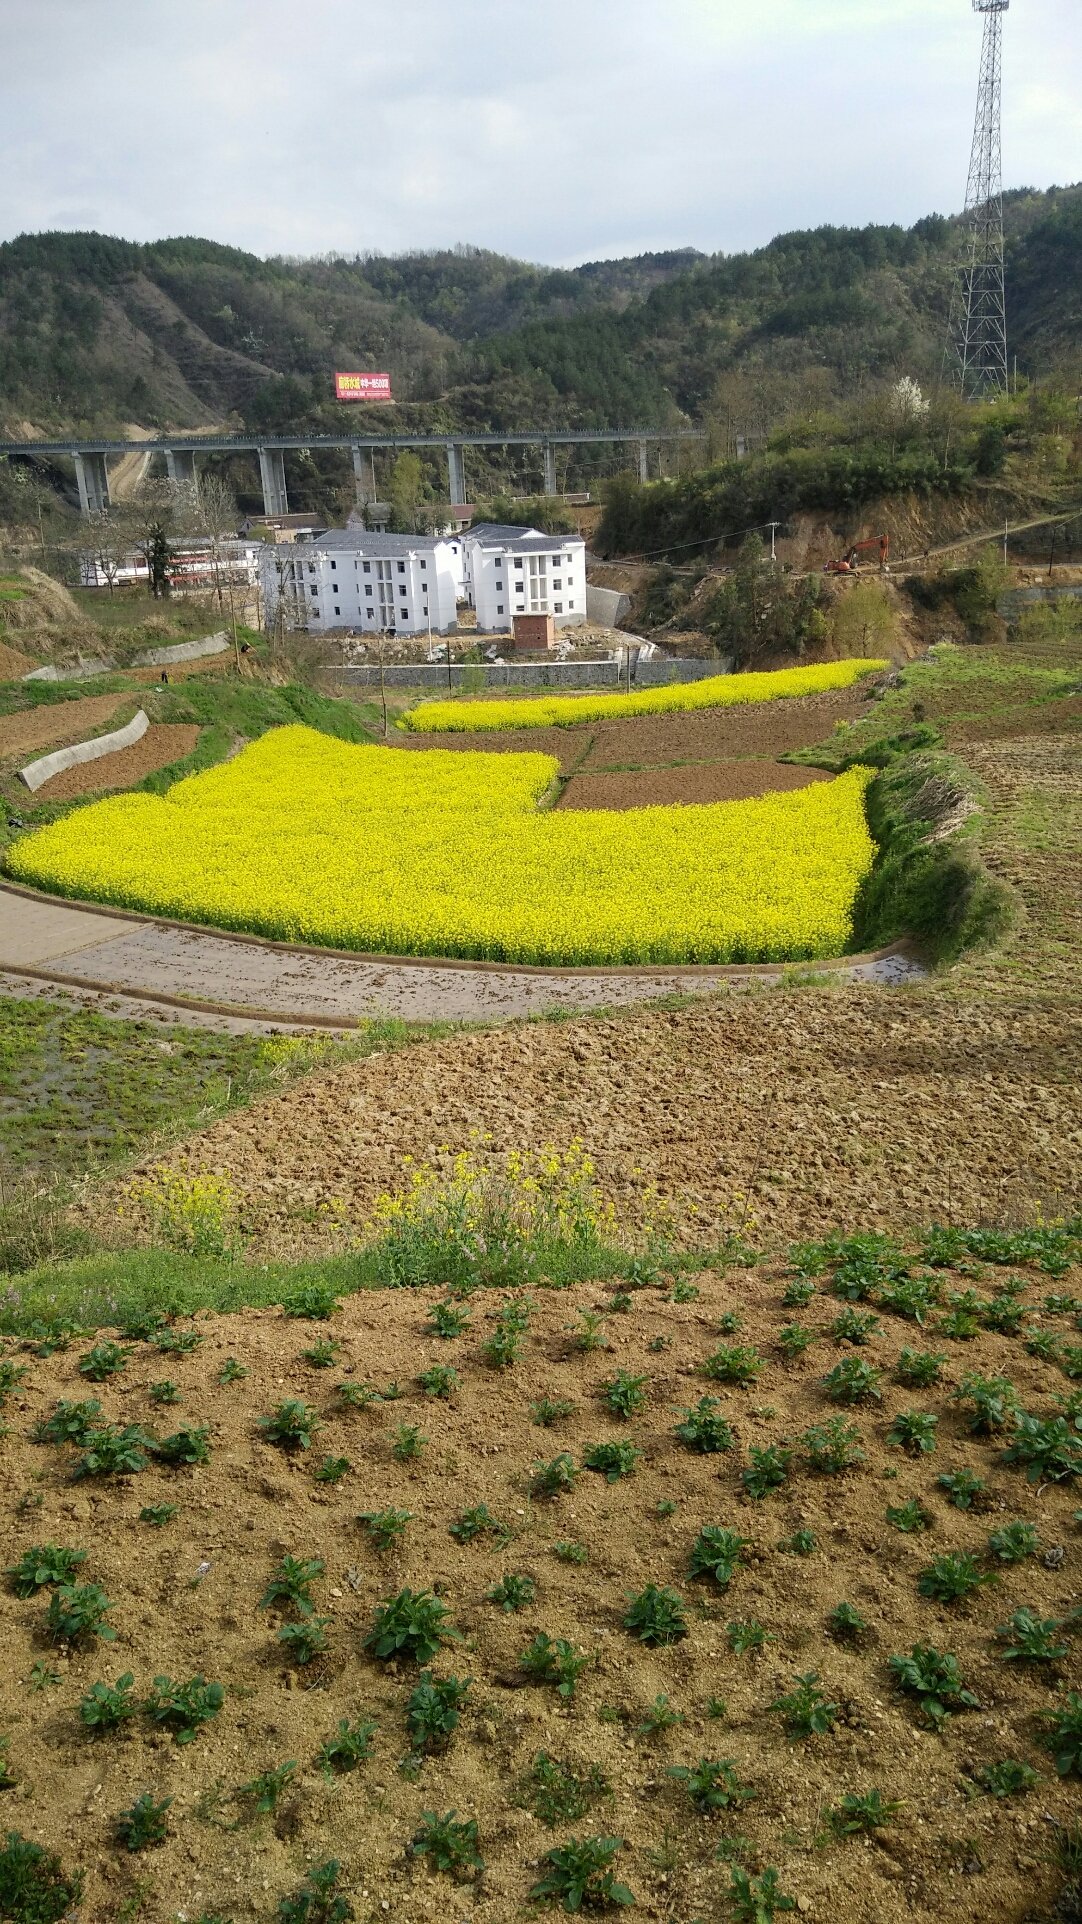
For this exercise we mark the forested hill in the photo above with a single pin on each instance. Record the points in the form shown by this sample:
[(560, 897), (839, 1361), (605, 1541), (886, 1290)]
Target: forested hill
[(95, 331)]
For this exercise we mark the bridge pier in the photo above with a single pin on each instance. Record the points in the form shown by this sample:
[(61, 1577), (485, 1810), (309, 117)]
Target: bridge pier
[(644, 471), (550, 467), (364, 484), (180, 466), (272, 473), (92, 476), (456, 474)]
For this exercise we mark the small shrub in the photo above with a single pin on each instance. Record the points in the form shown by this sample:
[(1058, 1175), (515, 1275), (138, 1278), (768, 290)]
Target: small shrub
[(910, 1518), (305, 1641), (656, 1616), (747, 1634), (914, 1431), (1003, 1314), (713, 1784), (514, 1592), (34, 1886), (962, 1321), (182, 1708), (440, 1381), (989, 1402), (291, 1584), (963, 1488), (804, 1711), (351, 1745), (158, 1514), (264, 1791), (385, 1526), (448, 1320), (407, 1443), (1048, 1448), (449, 1843), (549, 1410), (798, 1293), (914, 1297), (1031, 1639), (143, 1823), (186, 1445), (951, 1577), (291, 1425), (552, 1660), (757, 1900), (559, 1794), (734, 1363), (935, 1679), (333, 1469), (612, 1460), (77, 1612), (859, 1815), (42, 1567), (1013, 1543), (69, 1422), (767, 1470), (103, 1361), (1062, 1735), (106, 1706), (113, 1452), (833, 1446), (919, 1369), (716, 1553), (556, 1478), (318, 1901), (794, 1339), (314, 1302), (1006, 1778), (853, 1381), (412, 1625), (624, 1395), (580, 1875), (704, 1429), (845, 1623), (479, 1522), (1042, 1343), (855, 1326), (432, 1711)]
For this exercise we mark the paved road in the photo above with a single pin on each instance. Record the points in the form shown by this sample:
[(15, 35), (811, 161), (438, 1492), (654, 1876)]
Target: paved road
[(247, 982)]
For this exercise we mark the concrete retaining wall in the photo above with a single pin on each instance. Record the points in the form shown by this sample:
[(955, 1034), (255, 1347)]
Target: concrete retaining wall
[(555, 675), (1011, 604), (39, 772), (606, 606), (83, 671), (184, 651)]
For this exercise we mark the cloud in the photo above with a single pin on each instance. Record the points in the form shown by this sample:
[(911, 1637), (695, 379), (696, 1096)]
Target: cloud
[(556, 130)]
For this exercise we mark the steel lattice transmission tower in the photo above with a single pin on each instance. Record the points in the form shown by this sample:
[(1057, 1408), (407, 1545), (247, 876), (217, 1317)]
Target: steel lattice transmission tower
[(980, 324)]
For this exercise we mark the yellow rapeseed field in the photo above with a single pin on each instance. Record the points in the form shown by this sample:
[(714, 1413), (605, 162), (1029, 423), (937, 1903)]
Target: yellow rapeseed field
[(566, 711), (305, 838)]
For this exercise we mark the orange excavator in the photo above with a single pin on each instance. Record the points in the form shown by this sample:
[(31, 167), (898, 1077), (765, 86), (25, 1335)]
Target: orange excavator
[(848, 563)]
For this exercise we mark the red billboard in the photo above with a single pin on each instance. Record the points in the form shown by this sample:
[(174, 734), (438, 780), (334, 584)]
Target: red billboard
[(362, 387)]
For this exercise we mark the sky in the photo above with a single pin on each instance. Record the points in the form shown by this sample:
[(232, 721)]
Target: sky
[(554, 130)]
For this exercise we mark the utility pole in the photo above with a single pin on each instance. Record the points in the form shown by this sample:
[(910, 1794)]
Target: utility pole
[(979, 320)]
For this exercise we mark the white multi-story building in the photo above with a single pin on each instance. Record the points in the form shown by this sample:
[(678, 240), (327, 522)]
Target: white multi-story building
[(519, 571), (411, 584)]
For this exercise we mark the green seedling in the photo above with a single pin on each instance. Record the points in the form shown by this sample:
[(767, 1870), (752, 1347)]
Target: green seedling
[(1006, 1778), (989, 1402), (798, 1293), (1042, 1343), (176, 1342), (833, 1447), (624, 1395), (77, 1612), (736, 1363), (794, 1339), (612, 1460), (185, 1446), (558, 1794), (413, 1625), (666, 1506), (356, 1396), (1003, 1314), (910, 1518), (716, 1553), (323, 1354), (318, 1901), (745, 1634), (449, 1844), (704, 1429), (919, 1369), (556, 1478), (767, 1470), (448, 1320), (501, 1350), (619, 1303), (263, 1792), (915, 1297), (717, 1708), (935, 1679), (514, 1592), (951, 1577), (845, 1623), (35, 1886), (802, 1543), (440, 1381), (142, 1326), (853, 1381), (962, 1321), (1048, 1448), (660, 1717), (42, 1567), (385, 1526), (407, 1442), (656, 1616), (143, 1823), (1062, 1735), (182, 1708), (589, 1334), (291, 1425), (479, 1522), (69, 1422), (552, 1660), (333, 1469), (549, 1410), (1014, 1543), (757, 1900), (164, 1392), (305, 1641), (914, 1431), (232, 1371), (580, 1875), (158, 1514), (107, 1706), (313, 1302), (1031, 1639), (351, 1745), (567, 1550), (804, 1711), (1070, 1360), (41, 1677), (432, 1711), (683, 1292), (963, 1488), (855, 1326), (658, 1344), (291, 1584), (113, 1452), (103, 1361), (713, 1784), (859, 1815)]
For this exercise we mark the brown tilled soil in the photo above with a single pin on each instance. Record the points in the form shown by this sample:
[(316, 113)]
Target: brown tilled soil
[(13, 665), (158, 747), (695, 782), (57, 723), (862, 1108), (185, 1602)]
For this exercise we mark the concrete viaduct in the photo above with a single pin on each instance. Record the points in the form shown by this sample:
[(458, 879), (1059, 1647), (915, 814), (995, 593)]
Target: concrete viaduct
[(91, 456)]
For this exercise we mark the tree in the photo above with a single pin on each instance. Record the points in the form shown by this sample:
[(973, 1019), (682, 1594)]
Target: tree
[(108, 548), (214, 511), (407, 490), (154, 518)]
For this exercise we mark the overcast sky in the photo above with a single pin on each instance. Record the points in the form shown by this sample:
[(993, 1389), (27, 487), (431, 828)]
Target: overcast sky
[(556, 130)]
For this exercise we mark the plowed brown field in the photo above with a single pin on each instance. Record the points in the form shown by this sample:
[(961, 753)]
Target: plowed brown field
[(697, 782), (160, 746)]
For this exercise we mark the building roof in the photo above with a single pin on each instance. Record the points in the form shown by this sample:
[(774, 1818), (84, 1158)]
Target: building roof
[(493, 534), (368, 541), (284, 521)]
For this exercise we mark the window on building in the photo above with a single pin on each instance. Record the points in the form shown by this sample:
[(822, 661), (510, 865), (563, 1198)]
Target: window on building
[(424, 611), (401, 567), (423, 566), (338, 611), (499, 608), (315, 590), (518, 561), (368, 587), (558, 607), (570, 605), (368, 567), (567, 561), (555, 583), (334, 565), (403, 590)]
